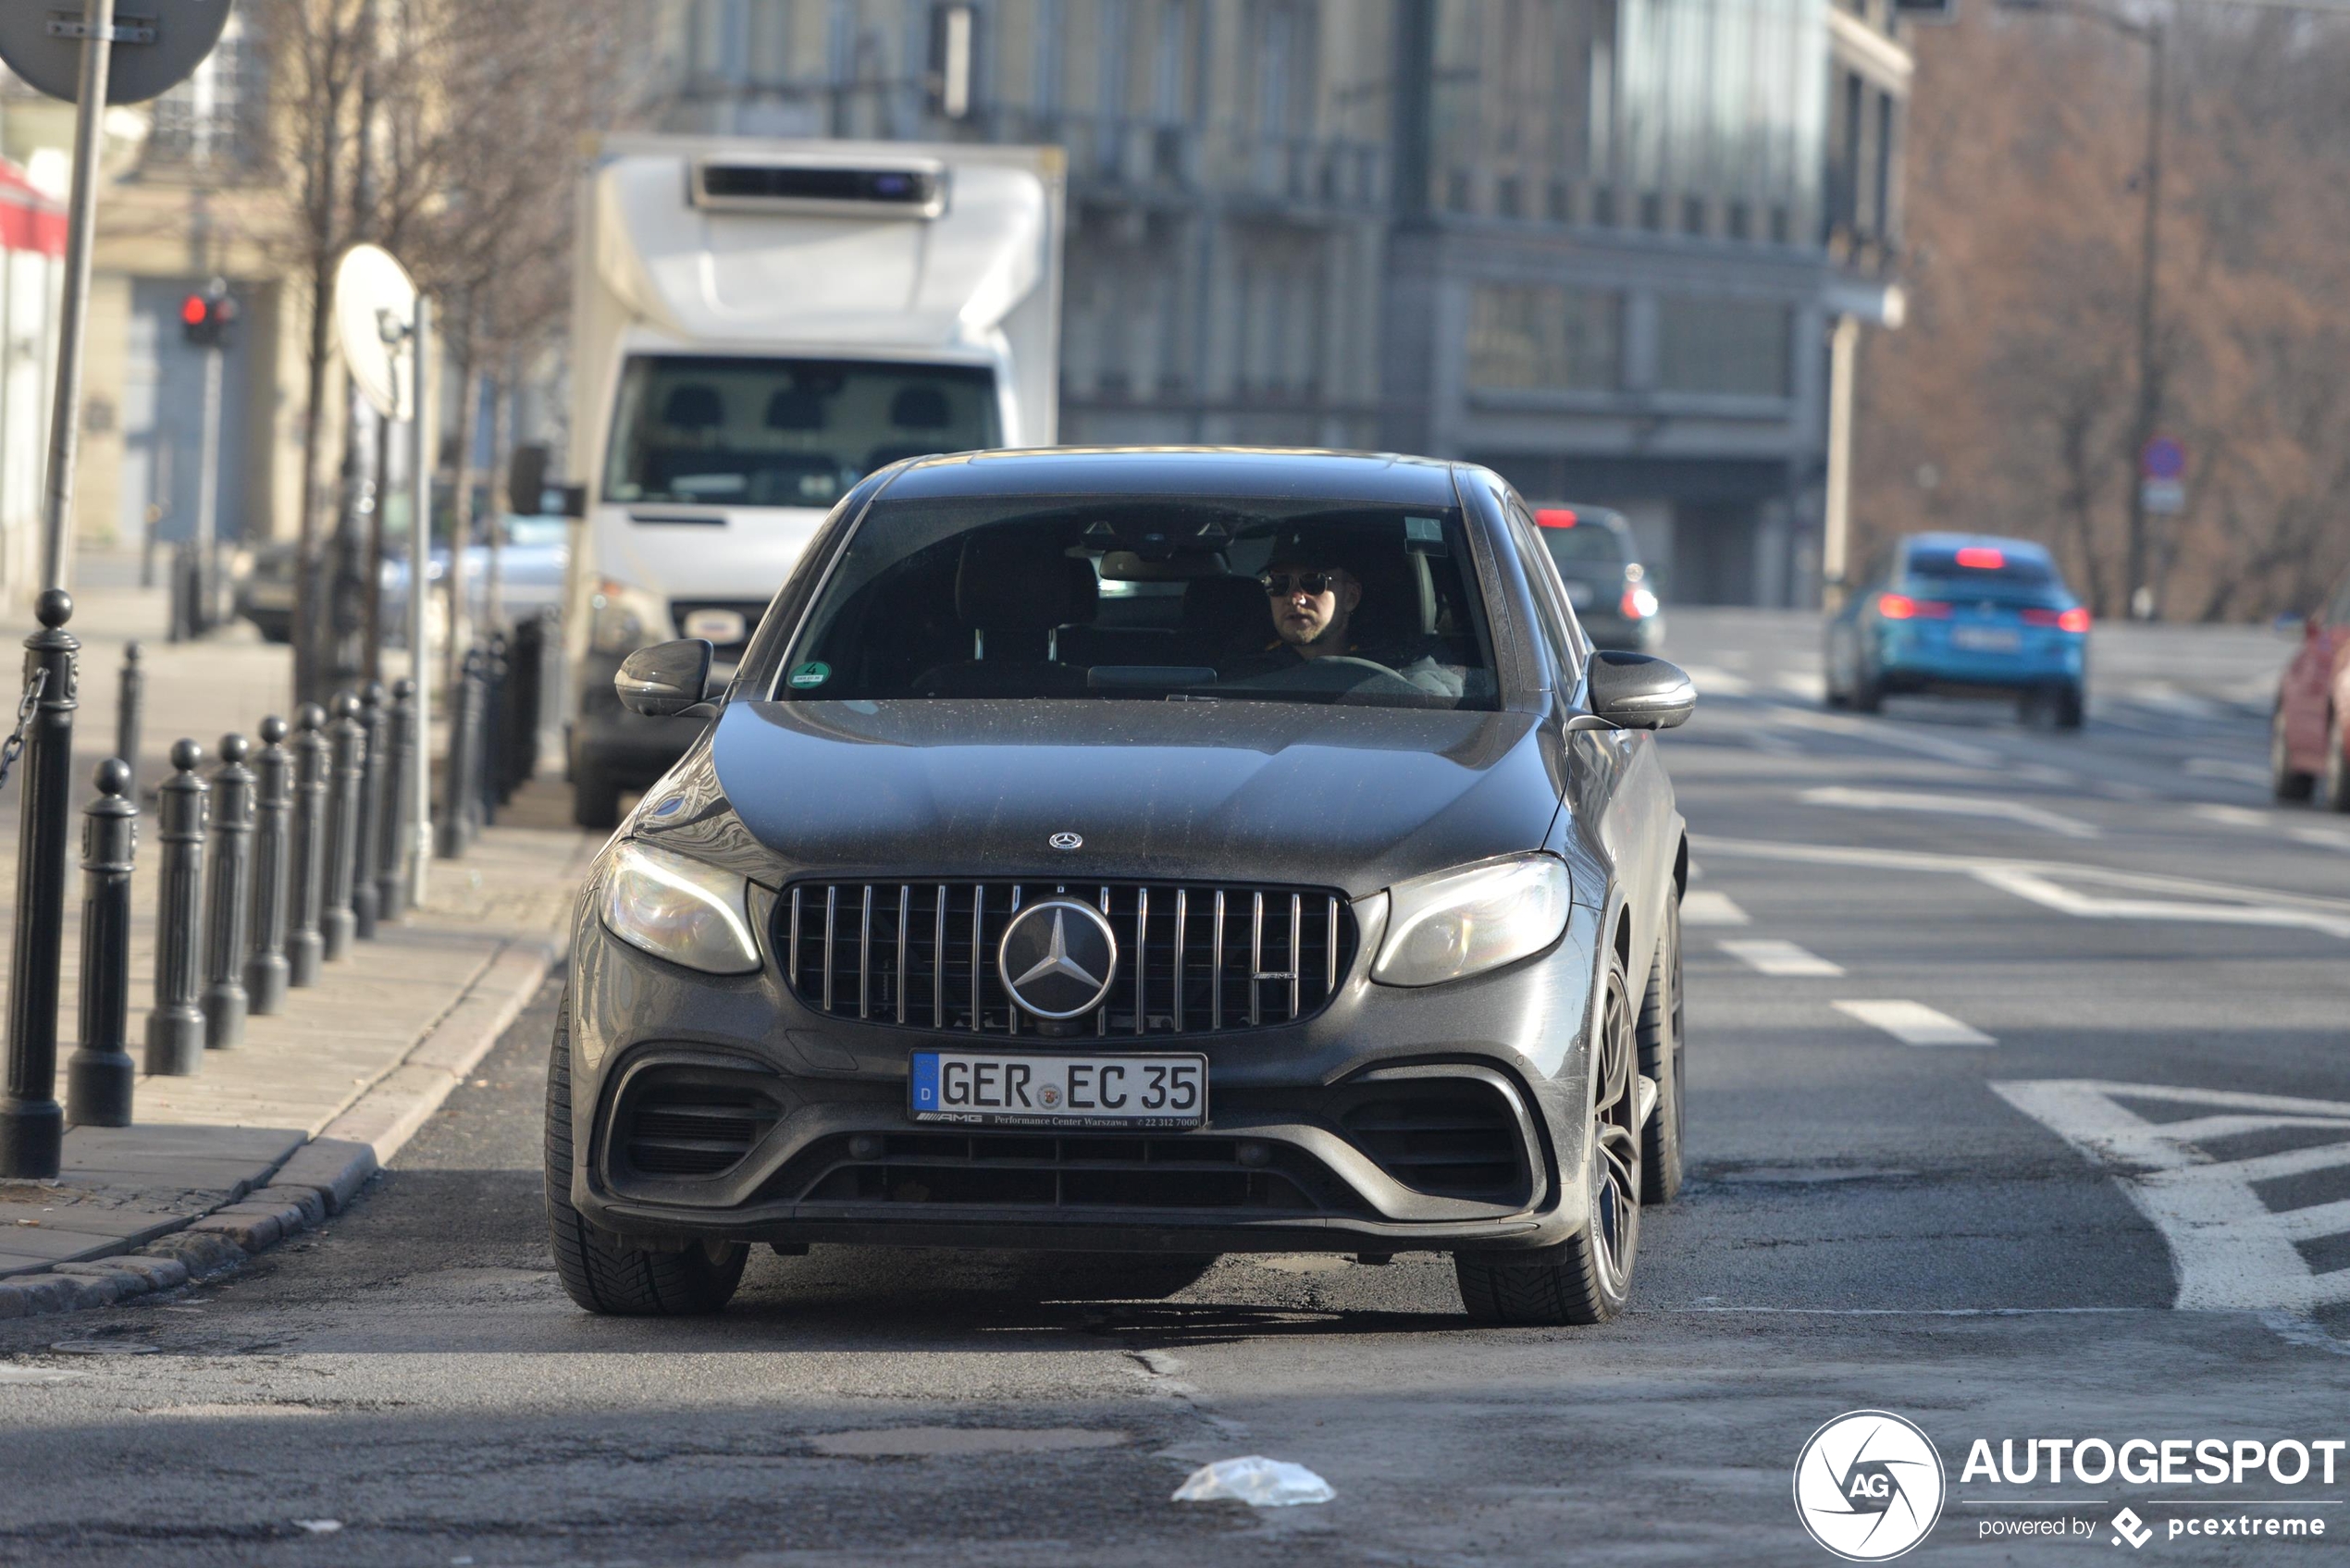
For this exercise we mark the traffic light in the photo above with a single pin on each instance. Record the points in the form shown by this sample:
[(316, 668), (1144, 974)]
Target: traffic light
[(207, 317)]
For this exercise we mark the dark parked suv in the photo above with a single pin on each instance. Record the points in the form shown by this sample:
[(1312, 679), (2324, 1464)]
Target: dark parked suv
[(1597, 559), (1159, 853)]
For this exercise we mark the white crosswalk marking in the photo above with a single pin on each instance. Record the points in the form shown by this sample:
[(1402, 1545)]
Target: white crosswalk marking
[(1707, 909), (2018, 812), (1914, 1023), (1780, 960), (2230, 1251)]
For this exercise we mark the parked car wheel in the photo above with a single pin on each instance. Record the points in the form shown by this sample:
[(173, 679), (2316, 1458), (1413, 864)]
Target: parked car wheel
[(597, 1269), (2335, 793), (1662, 1059), (2289, 782), (1586, 1279)]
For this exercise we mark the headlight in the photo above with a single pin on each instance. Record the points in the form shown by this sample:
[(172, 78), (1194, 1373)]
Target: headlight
[(1464, 922), (621, 619), (679, 910)]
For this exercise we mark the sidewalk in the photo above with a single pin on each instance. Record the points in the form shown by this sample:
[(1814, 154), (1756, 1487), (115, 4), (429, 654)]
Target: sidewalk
[(273, 1136)]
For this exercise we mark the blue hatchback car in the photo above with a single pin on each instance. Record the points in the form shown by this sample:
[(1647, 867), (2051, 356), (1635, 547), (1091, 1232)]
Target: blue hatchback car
[(1962, 614)]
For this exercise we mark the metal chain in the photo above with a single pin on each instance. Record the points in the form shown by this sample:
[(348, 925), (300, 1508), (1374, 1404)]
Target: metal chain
[(14, 747)]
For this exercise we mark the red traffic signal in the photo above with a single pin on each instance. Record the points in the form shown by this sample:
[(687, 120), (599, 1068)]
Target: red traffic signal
[(206, 318)]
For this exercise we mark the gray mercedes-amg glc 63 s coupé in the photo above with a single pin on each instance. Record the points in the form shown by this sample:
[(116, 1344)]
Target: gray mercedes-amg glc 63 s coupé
[(1155, 853)]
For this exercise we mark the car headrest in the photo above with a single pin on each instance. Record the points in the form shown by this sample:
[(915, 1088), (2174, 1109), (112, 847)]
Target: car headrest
[(1399, 598), (920, 408), (1007, 583), (1227, 608), (693, 408), (795, 409)]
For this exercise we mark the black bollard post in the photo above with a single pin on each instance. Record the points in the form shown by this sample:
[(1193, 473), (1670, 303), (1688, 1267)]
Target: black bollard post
[(129, 715), (99, 1073), (337, 924), (365, 896), (176, 1027), (265, 967), (307, 852), (391, 836), (457, 769), (496, 669), (229, 897), (31, 1122)]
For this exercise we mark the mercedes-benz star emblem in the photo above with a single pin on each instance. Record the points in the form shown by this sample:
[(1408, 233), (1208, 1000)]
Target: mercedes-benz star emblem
[(1057, 958), (1065, 840)]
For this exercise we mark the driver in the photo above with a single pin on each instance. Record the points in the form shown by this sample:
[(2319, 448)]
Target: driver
[(1313, 598)]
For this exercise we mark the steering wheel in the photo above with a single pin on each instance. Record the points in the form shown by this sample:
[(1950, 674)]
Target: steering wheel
[(1336, 673)]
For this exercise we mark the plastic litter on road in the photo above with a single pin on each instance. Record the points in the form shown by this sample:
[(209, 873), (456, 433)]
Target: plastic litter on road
[(1257, 1481)]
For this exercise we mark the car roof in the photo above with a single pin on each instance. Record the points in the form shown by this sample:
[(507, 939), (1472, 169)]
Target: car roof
[(2032, 548), (1248, 473)]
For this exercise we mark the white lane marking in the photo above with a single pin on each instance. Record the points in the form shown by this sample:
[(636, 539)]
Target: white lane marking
[(2017, 811), (1780, 960), (2166, 697), (2229, 1250), (1885, 732), (2224, 767), (1914, 1023), (1711, 681), (1708, 908), (2089, 907), (1768, 744), (2331, 915), (2336, 839), (1804, 685), (2233, 816)]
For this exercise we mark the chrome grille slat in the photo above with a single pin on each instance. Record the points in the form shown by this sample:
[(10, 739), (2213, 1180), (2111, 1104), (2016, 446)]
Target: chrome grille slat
[(890, 970)]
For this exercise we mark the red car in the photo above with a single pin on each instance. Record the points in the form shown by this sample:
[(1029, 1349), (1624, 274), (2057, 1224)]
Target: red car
[(2305, 739)]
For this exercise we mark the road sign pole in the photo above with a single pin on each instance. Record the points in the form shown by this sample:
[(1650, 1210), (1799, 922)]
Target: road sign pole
[(81, 222), (419, 583)]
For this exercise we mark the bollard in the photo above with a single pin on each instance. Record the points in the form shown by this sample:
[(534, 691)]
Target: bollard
[(129, 715), (457, 771), (365, 896), (495, 669), (99, 1073), (306, 851), (337, 924), (228, 895), (265, 967), (392, 837), (31, 1122), (176, 1027)]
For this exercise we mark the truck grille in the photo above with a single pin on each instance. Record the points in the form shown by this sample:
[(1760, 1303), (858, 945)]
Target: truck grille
[(1190, 959)]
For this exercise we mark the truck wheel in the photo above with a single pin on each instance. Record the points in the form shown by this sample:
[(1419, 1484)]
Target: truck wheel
[(597, 1269), (1662, 1059), (595, 797)]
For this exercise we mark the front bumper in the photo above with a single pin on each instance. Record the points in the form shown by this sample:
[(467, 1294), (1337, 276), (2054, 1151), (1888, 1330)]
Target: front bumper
[(1451, 1119)]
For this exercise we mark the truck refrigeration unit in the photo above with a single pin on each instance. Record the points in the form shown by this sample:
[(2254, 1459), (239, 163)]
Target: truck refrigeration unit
[(757, 326)]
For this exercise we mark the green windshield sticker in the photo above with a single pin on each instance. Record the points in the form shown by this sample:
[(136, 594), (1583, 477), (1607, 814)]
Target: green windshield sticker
[(811, 675)]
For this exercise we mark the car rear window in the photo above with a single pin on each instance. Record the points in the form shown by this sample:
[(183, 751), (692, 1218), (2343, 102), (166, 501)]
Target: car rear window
[(1148, 599), (1982, 572), (1583, 547)]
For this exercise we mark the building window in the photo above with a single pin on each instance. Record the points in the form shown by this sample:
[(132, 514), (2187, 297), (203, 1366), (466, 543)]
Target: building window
[(215, 122), (1544, 336), (1735, 347)]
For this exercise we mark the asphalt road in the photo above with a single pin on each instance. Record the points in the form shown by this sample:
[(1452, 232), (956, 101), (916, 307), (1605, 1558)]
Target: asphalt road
[(2018, 1108)]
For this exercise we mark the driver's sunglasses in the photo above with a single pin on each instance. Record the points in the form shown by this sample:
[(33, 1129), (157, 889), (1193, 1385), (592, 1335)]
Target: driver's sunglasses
[(1281, 585)]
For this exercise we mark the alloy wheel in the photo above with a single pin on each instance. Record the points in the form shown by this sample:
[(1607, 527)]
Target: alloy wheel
[(1615, 1138)]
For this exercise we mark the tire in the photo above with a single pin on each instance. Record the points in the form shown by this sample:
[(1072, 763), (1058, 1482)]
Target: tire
[(1832, 694), (595, 797), (2071, 708), (1868, 692), (599, 1272), (1586, 1279), (1662, 1059), (2333, 789), (2288, 782)]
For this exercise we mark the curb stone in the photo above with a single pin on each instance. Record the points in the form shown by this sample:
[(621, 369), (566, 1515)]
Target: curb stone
[(319, 1179)]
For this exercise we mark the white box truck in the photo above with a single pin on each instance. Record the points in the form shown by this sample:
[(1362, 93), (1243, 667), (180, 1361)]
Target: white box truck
[(758, 325)]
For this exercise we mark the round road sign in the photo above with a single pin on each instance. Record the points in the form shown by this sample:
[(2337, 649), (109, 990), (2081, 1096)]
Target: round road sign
[(158, 45), (2163, 458)]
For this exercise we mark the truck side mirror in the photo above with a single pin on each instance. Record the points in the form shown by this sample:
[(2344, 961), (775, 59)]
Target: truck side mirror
[(526, 480)]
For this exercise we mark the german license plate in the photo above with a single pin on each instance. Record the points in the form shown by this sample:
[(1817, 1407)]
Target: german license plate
[(1016, 1089), (1985, 639)]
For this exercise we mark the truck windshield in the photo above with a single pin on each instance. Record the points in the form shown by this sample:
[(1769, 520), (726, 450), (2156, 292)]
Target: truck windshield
[(1174, 598), (728, 430)]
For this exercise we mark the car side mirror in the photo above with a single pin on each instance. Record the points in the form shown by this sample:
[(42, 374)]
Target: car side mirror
[(669, 680), (1636, 691)]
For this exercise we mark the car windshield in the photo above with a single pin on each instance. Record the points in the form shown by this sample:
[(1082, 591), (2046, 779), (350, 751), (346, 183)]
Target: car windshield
[(1154, 599), (1585, 548), (723, 430), (1982, 572)]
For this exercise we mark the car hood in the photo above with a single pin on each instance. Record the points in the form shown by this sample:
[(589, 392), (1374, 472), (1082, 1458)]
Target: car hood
[(1352, 798)]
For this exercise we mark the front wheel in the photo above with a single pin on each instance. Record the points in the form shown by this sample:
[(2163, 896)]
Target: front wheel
[(597, 1269), (2288, 782), (1586, 1279), (1662, 1061)]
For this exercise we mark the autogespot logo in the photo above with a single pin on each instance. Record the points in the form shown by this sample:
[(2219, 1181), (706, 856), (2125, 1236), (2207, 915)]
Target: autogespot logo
[(1867, 1486)]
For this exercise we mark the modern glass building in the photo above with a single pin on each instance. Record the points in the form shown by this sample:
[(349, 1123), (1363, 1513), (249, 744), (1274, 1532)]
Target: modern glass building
[(1599, 245)]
